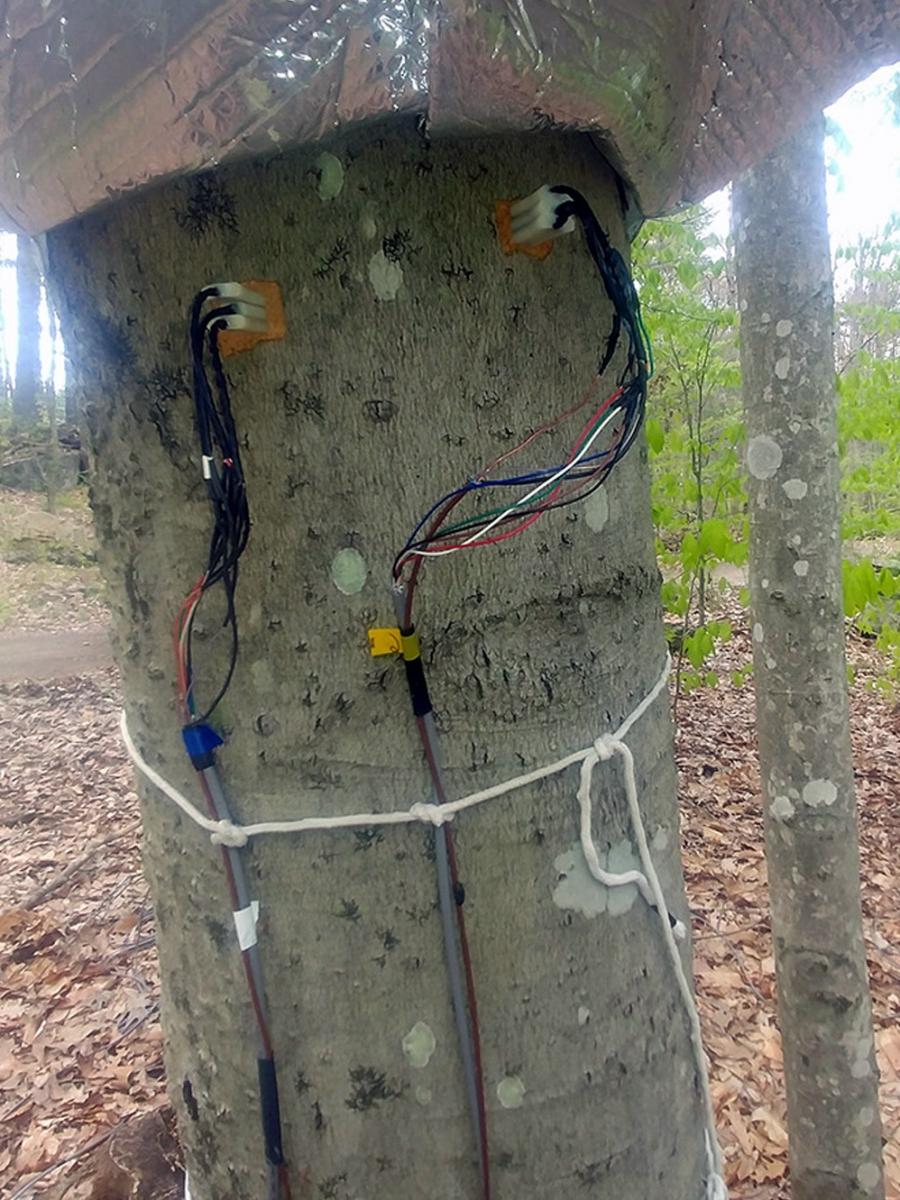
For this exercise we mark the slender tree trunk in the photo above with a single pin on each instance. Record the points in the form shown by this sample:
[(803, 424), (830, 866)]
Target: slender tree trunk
[(415, 352), (784, 281), (28, 351), (53, 472)]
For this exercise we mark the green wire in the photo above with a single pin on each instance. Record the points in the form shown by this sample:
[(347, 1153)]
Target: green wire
[(494, 512)]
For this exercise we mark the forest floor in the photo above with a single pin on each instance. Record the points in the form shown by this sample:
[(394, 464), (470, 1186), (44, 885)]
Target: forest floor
[(80, 1046)]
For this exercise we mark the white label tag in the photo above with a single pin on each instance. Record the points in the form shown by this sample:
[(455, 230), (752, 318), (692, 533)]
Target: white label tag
[(245, 924)]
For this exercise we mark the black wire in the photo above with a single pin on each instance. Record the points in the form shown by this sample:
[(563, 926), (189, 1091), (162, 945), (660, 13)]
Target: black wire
[(620, 289), (224, 475)]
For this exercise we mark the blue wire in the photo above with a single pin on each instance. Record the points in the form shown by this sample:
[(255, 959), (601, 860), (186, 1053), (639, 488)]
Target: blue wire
[(512, 481)]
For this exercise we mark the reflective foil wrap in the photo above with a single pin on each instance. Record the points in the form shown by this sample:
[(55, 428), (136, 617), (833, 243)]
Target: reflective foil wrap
[(99, 97)]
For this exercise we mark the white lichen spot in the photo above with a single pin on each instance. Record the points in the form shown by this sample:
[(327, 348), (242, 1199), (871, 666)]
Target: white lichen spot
[(576, 888), (783, 328), (349, 571), (764, 584), (781, 808), (331, 175), (819, 793), (758, 632), (423, 1095), (596, 509), (385, 276), (796, 539), (743, 306), (622, 857), (868, 1176), (795, 489), (783, 366), (660, 839), (511, 1092), (764, 318), (418, 1045), (584, 1015), (770, 662), (861, 1068), (367, 226), (263, 678), (801, 568), (763, 456)]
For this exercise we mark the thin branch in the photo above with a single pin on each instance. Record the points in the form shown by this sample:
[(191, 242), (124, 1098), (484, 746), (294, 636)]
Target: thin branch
[(25, 1188), (33, 899)]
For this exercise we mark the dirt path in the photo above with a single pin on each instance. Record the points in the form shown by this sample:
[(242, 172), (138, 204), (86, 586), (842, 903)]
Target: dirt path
[(53, 655)]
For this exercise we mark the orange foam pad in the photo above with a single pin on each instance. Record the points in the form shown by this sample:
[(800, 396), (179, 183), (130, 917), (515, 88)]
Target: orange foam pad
[(503, 221), (235, 341)]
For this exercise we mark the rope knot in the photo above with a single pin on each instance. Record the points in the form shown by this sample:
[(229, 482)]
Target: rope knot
[(430, 814), (227, 833), (605, 746)]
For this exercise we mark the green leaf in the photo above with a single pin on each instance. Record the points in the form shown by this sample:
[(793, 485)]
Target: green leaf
[(715, 538), (655, 435), (690, 552)]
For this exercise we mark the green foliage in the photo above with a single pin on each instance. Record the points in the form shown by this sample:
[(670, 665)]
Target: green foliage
[(695, 433), (694, 428), (872, 601), (869, 384)]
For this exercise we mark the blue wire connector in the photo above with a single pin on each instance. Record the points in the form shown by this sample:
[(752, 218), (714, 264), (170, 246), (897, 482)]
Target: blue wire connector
[(201, 743)]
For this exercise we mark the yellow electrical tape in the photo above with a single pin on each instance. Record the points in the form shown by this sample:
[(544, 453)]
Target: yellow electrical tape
[(385, 641), (409, 644)]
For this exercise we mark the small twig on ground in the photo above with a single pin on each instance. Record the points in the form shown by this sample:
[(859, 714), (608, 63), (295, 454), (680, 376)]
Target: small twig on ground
[(33, 899), (25, 1188), (726, 933)]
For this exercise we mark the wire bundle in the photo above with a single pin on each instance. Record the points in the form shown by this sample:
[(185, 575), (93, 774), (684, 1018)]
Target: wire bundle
[(587, 465), (224, 478)]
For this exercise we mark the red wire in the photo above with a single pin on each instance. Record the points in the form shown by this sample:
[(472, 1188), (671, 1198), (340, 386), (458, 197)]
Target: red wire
[(417, 564), (441, 517), (545, 428), (262, 1024), (178, 624), (468, 970), (526, 524), (471, 996)]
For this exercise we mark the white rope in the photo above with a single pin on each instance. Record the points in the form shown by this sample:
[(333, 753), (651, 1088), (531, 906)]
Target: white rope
[(228, 833)]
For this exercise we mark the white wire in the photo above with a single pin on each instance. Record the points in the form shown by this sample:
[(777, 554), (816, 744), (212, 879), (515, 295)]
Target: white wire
[(540, 487)]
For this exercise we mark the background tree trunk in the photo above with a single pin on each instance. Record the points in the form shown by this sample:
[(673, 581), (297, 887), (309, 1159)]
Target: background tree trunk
[(784, 282), (415, 351), (28, 350)]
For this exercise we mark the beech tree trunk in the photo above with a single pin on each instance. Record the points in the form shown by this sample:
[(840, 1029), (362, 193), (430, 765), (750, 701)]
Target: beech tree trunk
[(415, 352), (784, 283), (28, 347)]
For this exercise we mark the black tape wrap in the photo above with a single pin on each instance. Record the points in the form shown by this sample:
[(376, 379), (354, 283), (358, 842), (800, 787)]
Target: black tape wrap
[(415, 680), (271, 1111)]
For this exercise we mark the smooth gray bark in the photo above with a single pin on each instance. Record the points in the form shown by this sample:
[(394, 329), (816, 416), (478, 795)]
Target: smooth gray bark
[(415, 352), (785, 288), (28, 345)]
